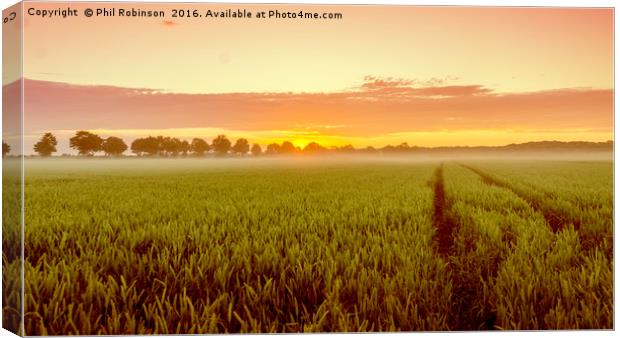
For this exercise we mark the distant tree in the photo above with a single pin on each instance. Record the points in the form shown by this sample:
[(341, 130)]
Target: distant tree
[(272, 149), (149, 146), (199, 147), (6, 148), (113, 146), (46, 145), (347, 149), (256, 150), (184, 147), (86, 143), (389, 149), (369, 150), (158, 142), (171, 146), (241, 147), (287, 148), (166, 145), (153, 145), (314, 148), (137, 146), (221, 145)]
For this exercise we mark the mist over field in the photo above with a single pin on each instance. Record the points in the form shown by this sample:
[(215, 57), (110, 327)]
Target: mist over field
[(146, 165)]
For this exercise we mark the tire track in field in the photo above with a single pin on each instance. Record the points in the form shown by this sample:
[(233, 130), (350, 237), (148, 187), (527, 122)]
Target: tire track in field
[(444, 225), (554, 221), (465, 286)]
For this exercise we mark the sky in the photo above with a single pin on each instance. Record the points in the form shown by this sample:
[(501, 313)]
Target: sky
[(429, 76)]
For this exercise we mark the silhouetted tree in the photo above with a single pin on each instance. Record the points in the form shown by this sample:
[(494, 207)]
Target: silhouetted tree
[(314, 148), (6, 148), (137, 146), (149, 146), (199, 146), (241, 147), (256, 150), (184, 147), (369, 150), (113, 146), (171, 146), (287, 148), (166, 145), (86, 143), (152, 145), (46, 145), (272, 149), (221, 145), (403, 146), (389, 149), (346, 149), (159, 142)]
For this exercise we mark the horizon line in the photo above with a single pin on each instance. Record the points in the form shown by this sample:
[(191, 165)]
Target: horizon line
[(389, 148)]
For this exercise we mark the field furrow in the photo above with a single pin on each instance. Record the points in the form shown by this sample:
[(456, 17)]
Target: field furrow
[(554, 220), (535, 275), (443, 224), (567, 199)]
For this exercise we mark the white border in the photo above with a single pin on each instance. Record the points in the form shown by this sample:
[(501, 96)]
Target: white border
[(508, 3)]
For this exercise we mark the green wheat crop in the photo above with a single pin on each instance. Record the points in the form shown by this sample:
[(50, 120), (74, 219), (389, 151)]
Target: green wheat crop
[(116, 246)]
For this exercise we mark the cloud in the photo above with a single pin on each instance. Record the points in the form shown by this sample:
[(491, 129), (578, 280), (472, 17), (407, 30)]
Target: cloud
[(451, 91), (375, 83), (373, 87), (386, 106)]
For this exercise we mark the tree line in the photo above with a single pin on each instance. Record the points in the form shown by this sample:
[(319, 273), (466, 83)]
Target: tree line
[(88, 144)]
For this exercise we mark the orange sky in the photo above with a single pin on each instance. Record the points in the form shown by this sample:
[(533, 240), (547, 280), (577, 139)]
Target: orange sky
[(383, 74)]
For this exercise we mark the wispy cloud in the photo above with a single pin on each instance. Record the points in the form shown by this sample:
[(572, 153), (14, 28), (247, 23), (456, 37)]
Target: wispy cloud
[(388, 87)]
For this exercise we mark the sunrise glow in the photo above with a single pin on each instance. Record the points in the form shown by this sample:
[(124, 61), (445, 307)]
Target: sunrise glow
[(428, 76)]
